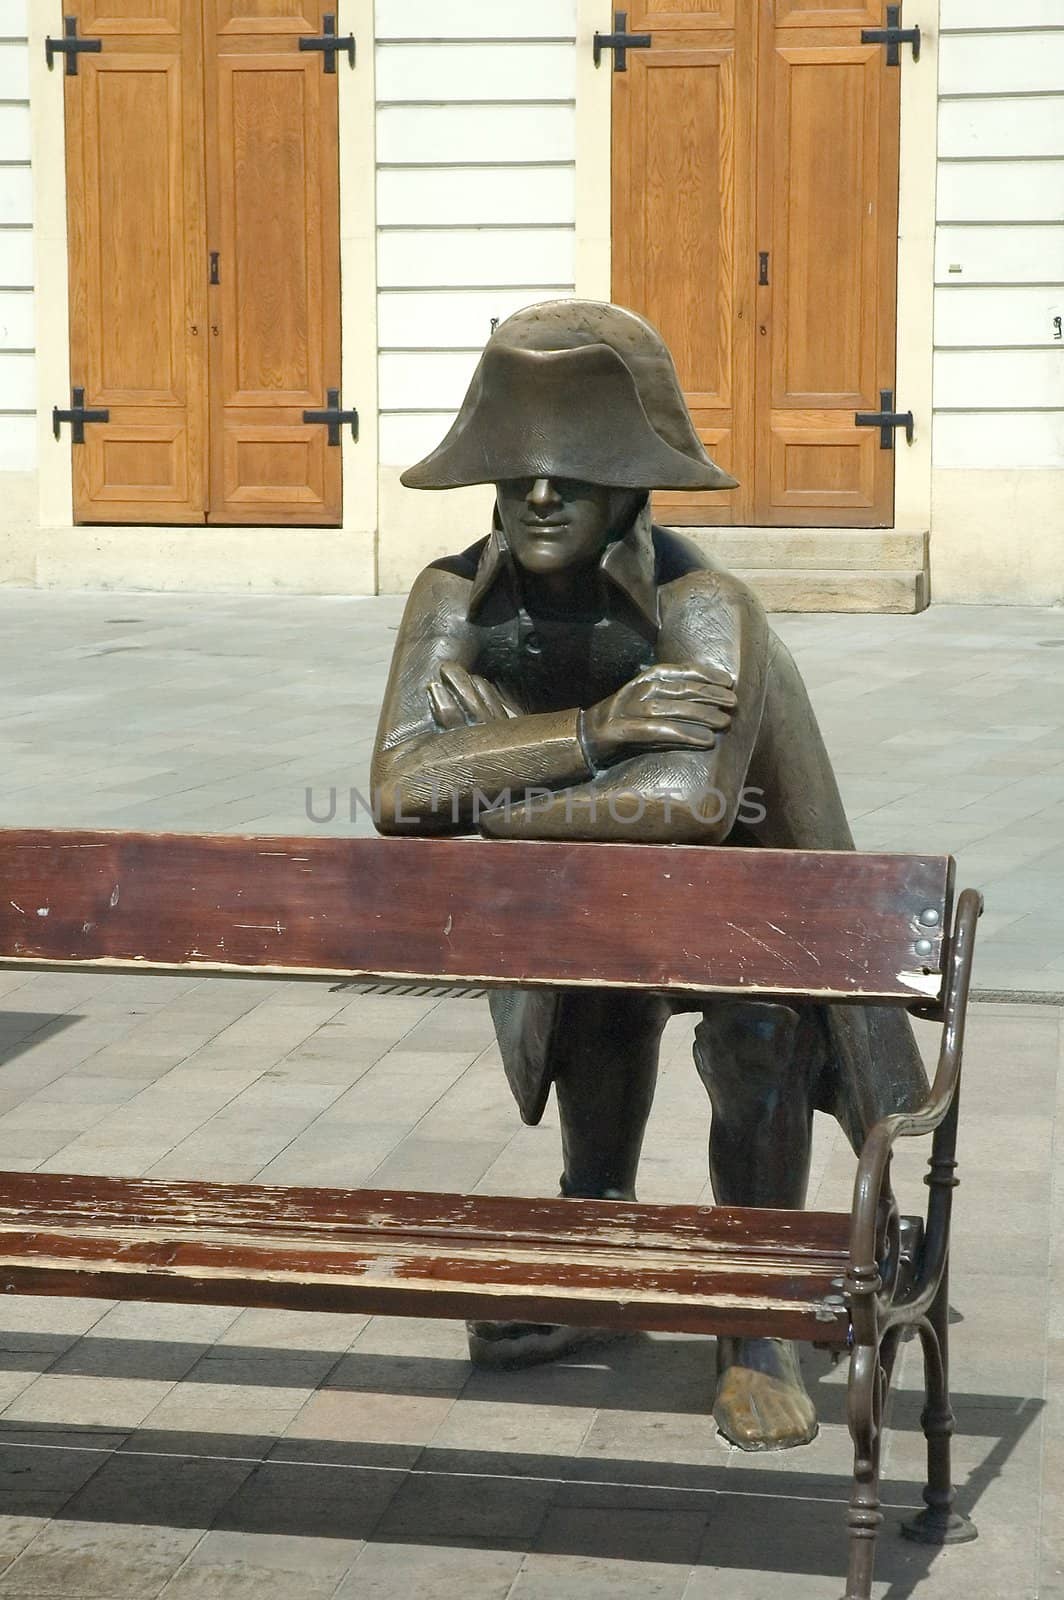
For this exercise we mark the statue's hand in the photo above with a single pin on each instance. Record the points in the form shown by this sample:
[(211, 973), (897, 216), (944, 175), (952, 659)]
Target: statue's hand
[(459, 699), (664, 708)]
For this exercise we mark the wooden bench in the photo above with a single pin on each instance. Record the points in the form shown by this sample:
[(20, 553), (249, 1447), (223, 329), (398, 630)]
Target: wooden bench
[(848, 928)]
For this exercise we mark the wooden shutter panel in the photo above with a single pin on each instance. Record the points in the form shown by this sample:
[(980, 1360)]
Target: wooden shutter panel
[(683, 209), (828, 182), (766, 132), (273, 206), (138, 331)]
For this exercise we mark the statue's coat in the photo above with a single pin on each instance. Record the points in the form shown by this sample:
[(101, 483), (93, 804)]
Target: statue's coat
[(656, 598)]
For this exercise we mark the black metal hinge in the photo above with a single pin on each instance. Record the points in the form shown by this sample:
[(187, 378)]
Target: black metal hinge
[(620, 41), (892, 36), (333, 417), (77, 416), (70, 46), (328, 43), (886, 419)]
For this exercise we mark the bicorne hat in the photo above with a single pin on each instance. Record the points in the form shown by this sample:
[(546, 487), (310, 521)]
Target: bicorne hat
[(573, 389)]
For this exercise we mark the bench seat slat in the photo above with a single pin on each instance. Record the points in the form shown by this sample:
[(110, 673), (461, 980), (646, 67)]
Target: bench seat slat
[(32, 1199), (683, 918), (689, 1269)]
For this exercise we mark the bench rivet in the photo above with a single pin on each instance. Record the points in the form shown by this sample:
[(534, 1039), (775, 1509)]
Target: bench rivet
[(929, 918), (923, 947)]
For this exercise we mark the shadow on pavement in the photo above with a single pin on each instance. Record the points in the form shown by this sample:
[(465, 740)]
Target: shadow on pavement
[(23, 1030), (767, 1519)]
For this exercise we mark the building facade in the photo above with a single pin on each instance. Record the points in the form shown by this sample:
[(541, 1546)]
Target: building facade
[(213, 222)]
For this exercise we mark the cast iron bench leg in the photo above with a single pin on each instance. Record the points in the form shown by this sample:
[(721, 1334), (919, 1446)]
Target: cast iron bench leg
[(870, 1370), (938, 1523)]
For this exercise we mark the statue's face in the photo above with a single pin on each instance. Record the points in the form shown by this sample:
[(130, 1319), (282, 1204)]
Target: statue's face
[(553, 524)]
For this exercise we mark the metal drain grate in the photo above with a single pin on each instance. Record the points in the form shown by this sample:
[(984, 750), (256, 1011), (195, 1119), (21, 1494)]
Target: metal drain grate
[(432, 991)]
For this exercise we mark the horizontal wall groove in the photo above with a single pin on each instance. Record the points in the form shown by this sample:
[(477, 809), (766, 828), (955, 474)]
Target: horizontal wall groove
[(958, 161), (476, 227), (997, 283), (1002, 222), (471, 166), (1001, 411), (468, 105), (481, 288), (1056, 346), (463, 39), (556, 289), (959, 96), (1006, 28), (429, 349), (473, 288)]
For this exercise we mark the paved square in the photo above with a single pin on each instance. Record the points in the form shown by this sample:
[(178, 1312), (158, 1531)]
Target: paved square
[(202, 1452), (219, 713)]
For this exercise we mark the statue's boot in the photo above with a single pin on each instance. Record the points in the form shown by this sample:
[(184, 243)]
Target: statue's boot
[(761, 1401), (604, 1060), (760, 1063), (528, 1344)]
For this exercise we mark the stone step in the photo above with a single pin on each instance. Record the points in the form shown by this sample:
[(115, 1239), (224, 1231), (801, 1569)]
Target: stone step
[(836, 549), (837, 589)]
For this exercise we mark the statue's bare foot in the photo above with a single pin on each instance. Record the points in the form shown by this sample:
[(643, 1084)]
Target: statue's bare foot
[(761, 1401)]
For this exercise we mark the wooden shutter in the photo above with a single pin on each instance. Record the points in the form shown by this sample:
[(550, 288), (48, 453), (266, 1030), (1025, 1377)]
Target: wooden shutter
[(748, 129), (137, 292), (828, 109), (683, 212), (201, 127), (274, 221)]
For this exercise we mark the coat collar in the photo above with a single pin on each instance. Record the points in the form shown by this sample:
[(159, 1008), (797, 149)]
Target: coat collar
[(628, 563)]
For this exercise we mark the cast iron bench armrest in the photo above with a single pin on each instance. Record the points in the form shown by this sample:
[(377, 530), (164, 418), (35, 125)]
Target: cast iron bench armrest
[(874, 1212)]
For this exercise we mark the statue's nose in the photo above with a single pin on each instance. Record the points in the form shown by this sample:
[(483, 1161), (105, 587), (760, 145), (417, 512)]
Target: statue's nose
[(543, 496)]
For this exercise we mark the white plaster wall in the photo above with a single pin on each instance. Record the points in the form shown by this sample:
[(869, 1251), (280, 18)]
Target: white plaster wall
[(476, 163), (16, 247), (18, 448), (998, 452)]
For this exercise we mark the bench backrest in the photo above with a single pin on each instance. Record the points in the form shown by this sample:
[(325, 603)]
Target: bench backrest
[(674, 917), (644, 916)]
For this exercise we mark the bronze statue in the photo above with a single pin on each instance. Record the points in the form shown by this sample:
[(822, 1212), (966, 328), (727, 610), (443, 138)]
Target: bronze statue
[(581, 673)]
